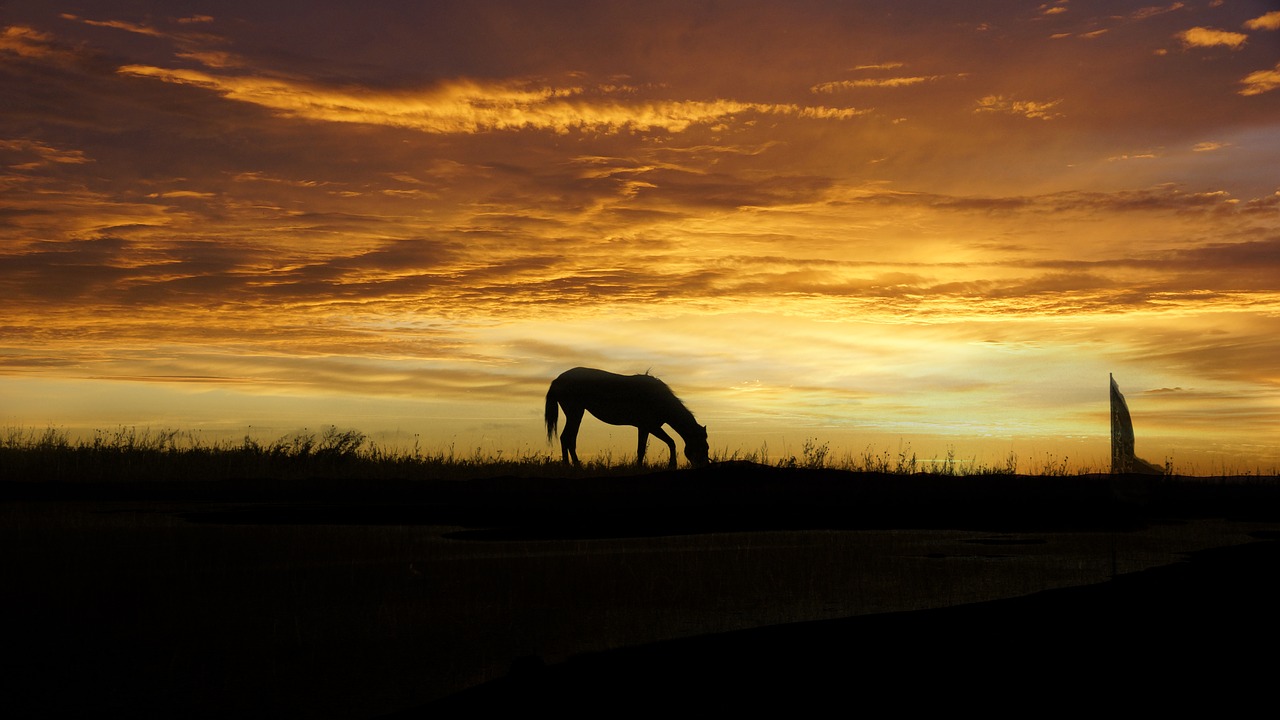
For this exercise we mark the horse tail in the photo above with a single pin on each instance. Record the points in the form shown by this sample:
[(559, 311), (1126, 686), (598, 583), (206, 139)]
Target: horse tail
[(552, 413)]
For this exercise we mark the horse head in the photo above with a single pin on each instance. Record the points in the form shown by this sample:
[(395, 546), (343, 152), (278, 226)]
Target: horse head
[(696, 447)]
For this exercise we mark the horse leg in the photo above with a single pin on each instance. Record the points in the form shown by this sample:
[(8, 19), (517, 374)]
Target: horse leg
[(569, 438), (671, 444), (641, 445)]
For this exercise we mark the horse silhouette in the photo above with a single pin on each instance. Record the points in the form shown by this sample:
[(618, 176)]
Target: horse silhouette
[(640, 400)]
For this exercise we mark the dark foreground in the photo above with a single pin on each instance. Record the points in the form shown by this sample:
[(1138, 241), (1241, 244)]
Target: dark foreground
[(1199, 634), (735, 587)]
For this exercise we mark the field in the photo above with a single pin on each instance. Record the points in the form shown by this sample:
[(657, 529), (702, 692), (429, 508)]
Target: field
[(156, 580)]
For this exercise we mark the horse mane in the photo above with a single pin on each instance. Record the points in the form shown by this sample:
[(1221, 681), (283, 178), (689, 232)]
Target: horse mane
[(668, 391)]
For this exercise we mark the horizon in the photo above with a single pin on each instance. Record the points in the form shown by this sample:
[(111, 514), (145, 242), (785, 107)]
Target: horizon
[(865, 224)]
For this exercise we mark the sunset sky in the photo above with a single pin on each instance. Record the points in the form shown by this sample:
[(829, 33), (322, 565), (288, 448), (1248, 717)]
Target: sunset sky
[(875, 224)]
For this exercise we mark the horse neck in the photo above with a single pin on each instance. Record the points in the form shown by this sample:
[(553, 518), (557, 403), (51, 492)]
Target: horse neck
[(681, 419)]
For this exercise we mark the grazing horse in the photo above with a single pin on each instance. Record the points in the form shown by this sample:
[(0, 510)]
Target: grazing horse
[(640, 400)]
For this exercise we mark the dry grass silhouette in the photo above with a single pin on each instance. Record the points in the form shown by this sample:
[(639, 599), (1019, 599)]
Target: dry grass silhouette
[(145, 454)]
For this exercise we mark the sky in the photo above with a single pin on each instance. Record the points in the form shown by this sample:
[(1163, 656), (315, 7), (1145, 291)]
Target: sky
[(883, 226)]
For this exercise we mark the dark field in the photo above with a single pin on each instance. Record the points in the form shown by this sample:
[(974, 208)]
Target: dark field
[(732, 587)]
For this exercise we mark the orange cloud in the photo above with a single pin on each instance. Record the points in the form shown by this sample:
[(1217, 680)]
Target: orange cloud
[(216, 59), (27, 42), (1256, 83), (45, 153), (466, 106), (1152, 11), (117, 25), (1210, 37), (831, 87), (1025, 108), (1268, 21), (1138, 156)]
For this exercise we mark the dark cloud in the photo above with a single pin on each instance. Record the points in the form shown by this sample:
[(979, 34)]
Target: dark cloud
[(1164, 198), (684, 189), (1242, 350), (64, 271), (1199, 273), (1260, 255)]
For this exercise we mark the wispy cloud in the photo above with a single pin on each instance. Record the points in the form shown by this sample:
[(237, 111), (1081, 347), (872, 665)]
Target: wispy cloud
[(30, 43), (43, 153), (1118, 21), (137, 28), (893, 82), (879, 66), (216, 59), (1026, 108), (1133, 156), (1256, 83), (470, 106), (1154, 10)]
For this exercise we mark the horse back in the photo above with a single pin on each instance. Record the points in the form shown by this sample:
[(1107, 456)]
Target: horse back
[(593, 381), (613, 398)]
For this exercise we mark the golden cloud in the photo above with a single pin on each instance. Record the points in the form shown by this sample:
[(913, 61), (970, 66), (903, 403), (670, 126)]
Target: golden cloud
[(27, 42), (1149, 12), (1025, 108), (893, 82), (216, 59), (117, 25), (1210, 37), (1137, 156), (1256, 83), (182, 194), (879, 66), (466, 106), (1269, 21), (45, 153)]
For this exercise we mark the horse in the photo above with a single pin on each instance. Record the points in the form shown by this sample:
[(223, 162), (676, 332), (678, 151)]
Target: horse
[(640, 400)]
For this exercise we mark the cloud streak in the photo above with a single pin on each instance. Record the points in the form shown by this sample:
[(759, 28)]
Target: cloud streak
[(892, 82), (1037, 110), (467, 106)]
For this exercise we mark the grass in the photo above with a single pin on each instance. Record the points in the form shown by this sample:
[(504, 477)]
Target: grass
[(818, 456), (133, 454), (129, 453)]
